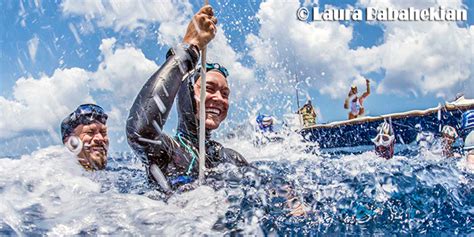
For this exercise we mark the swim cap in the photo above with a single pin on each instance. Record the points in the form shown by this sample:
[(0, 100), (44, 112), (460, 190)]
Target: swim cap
[(84, 114), (449, 131)]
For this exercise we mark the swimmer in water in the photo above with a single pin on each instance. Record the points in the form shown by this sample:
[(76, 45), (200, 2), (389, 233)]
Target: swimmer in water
[(448, 137), (84, 132), (384, 141)]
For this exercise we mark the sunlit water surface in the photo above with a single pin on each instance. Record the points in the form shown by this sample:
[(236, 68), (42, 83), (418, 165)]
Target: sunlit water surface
[(47, 192)]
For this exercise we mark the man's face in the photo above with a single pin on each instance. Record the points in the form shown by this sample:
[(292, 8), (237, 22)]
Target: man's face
[(95, 145), (217, 98)]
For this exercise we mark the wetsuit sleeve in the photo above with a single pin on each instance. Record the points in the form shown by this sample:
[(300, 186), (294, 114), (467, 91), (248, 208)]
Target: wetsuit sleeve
[(155, 100)]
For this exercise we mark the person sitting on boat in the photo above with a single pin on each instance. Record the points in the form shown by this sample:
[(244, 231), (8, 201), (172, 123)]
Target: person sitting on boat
[(265, 123), (467, 123), (384, 141), (308, 114), (173, 161), (424, 139), (448, 137), (469, 148), (356, 103), (84, 132)]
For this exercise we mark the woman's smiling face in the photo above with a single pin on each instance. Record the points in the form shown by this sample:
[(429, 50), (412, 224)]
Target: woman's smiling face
[(217, 98)]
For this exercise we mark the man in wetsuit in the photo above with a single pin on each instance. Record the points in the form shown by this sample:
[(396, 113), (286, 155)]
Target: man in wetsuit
[(356, 102), (173, 161)]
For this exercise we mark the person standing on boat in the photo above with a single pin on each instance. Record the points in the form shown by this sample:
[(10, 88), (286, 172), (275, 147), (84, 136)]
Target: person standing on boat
[(356, 103), (172, 162), (308, 114), (384, 141)]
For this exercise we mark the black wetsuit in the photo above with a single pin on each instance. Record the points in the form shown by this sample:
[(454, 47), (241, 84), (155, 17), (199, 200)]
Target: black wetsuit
[(173, 155)]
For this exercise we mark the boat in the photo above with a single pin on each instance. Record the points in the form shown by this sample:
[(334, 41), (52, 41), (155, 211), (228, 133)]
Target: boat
[(358, 132)]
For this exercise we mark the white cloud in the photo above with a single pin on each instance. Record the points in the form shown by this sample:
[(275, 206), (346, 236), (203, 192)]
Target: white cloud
[(221, 52), (132, 15), (318, 52), (418, 57), (40, 104), (423, 57), (121, 74), (172, 17)]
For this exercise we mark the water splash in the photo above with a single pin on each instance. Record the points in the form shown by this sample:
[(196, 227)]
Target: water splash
[(47, 192)]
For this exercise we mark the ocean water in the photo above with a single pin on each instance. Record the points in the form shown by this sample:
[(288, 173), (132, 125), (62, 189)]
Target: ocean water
[(48, 193)]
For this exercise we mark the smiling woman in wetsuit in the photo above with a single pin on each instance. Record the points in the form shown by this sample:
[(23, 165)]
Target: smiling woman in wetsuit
[(173, 161)]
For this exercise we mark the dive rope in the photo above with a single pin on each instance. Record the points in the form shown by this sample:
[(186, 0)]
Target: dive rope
[(202, 114)]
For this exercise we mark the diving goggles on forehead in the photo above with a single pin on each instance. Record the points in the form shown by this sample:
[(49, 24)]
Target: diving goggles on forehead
[(218, 67), (383, 139), (87, 113)]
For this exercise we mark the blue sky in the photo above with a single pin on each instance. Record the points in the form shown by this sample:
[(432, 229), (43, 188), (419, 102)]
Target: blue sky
[(58, 54)]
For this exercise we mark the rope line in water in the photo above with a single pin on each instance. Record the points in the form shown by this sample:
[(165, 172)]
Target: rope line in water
[(202, 114)]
